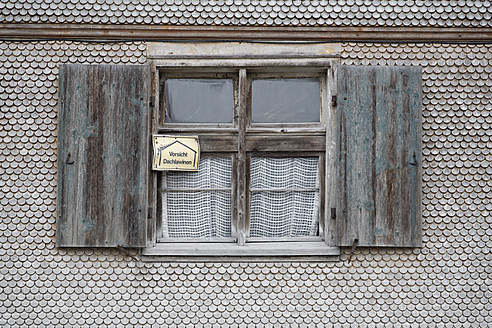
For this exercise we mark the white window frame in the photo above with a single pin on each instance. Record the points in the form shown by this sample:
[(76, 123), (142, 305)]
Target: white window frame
[(258, 58)]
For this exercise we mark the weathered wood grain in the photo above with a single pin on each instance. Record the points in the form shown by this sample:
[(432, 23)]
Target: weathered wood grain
[(242, 164), (240, 33), (152, 222), (103, 155), (379, 156), (218, 143), (285, 143), (330, 231)]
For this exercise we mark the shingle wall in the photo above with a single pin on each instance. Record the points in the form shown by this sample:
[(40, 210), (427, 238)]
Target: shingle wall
[(394, 13), (447, 283)]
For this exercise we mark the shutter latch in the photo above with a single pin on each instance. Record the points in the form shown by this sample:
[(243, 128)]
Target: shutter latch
[(333, 213)]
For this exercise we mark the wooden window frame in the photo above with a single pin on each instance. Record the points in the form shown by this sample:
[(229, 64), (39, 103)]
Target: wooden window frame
[(244, 138)]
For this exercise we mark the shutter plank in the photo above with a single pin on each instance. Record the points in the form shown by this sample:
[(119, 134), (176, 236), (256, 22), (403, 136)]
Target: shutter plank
[(103, 125), (378, 186)]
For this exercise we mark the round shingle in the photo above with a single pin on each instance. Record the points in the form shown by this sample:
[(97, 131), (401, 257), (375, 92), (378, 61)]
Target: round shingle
[(391, 14), (450, 128)]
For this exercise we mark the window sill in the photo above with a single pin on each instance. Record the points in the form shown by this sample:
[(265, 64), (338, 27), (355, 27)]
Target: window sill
[(281, 251)]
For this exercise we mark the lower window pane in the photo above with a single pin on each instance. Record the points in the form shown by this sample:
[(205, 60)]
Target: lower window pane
[(284, 197), (284, 214), (201, 214), (198, 204), (213, 173), (284, 172)]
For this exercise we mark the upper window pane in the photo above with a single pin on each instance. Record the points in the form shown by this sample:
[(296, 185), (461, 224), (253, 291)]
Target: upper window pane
[(293, 100), (213, 173), (199, 101), (284, 172)]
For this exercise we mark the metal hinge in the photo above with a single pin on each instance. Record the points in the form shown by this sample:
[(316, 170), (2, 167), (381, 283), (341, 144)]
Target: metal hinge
[(127, 253), (150, 212), (152, 101), (354, 245), (333, 101), (333, 213)]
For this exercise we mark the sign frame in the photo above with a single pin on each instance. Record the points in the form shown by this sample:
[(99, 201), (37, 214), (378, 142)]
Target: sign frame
[(179, 153)]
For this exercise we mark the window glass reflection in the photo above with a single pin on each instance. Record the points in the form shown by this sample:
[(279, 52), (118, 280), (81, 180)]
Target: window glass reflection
[(294, 100), (199, 101)]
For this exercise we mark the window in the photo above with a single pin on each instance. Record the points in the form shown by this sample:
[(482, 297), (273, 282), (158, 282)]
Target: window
[(299, 154), (262, 170)]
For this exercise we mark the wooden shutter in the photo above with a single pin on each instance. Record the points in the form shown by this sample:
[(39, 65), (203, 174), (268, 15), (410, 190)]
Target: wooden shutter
[(103, 155), (379, 153)]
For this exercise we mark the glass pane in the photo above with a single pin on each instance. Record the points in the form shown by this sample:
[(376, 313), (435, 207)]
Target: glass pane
[(204, 211), (280, 172), (199, 101), (285, 100), (284, 197), (284, 214), (202, 214), (213, 173)]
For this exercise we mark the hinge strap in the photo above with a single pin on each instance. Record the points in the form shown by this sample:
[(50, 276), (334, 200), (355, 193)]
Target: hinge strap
[(126, 252), (354, 245), (333, 213)]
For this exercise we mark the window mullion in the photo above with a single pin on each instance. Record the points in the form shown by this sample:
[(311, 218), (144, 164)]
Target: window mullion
[(242, 161)]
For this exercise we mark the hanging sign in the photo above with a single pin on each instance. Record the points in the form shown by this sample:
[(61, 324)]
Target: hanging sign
[(175, 153)]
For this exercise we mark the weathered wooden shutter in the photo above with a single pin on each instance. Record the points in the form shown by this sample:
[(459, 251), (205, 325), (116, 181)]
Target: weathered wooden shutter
[(379, 168), (103, 155)]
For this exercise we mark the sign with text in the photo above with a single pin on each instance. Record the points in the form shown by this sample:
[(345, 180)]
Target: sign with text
[(175, 153)]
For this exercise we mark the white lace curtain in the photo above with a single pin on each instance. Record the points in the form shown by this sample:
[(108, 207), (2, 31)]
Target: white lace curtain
[(284, 199)]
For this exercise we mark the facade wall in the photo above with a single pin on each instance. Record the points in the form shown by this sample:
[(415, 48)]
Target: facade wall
[(446, 283), (339, 13)]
